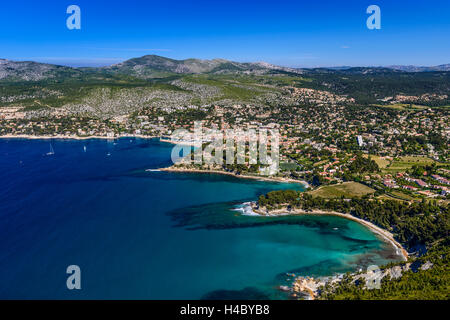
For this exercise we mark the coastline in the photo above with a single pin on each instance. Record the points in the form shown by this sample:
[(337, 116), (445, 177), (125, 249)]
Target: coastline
[(74, 137), (260, 178), (380, 233), (182, 143), (385, 235)]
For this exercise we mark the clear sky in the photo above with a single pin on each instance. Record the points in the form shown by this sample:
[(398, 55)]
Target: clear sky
[(291, 33)]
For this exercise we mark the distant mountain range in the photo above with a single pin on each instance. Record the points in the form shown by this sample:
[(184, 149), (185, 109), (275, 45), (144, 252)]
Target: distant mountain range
[(152, 66), (442, 67), (146, 67)]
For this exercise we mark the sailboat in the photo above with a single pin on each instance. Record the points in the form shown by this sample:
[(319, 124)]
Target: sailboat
[(52, 152)]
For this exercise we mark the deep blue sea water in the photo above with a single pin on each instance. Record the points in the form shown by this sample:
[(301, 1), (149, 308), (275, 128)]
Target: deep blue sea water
[(153, 235)]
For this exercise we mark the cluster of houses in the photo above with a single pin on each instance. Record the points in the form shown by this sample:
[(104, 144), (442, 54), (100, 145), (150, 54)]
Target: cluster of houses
[(418, 185)]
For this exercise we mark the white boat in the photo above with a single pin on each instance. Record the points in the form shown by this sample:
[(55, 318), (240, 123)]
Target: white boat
[(153, 170), (84, 148), (52, 152)]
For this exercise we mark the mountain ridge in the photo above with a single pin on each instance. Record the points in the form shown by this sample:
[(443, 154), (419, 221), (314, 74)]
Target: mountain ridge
[(147, 65), (154, 66)]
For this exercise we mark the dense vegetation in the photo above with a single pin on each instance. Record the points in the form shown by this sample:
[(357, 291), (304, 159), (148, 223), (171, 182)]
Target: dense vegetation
[(366, 84), (416, 226), (361, 164)]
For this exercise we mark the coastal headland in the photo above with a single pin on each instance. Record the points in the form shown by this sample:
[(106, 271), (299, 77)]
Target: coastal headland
[(384, 234), (233, 174)]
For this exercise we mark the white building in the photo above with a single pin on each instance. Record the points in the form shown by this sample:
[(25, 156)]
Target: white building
[(360, 141)]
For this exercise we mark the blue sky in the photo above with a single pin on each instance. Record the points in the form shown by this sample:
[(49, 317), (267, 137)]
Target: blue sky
[(291, 33)]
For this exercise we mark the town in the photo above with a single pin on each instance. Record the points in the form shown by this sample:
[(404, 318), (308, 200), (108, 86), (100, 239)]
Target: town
[(401, 148)]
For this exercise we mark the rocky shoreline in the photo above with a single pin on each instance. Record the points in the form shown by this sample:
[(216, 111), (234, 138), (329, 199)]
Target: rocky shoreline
[(309, 288)]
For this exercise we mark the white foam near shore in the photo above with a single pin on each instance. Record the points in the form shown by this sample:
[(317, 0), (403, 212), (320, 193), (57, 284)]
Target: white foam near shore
[(246, 209)]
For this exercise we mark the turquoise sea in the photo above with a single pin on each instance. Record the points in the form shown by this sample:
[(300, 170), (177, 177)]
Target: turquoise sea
[(140, 234)]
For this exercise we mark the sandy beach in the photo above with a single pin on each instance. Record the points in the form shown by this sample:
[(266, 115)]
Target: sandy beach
[(383, 234)]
